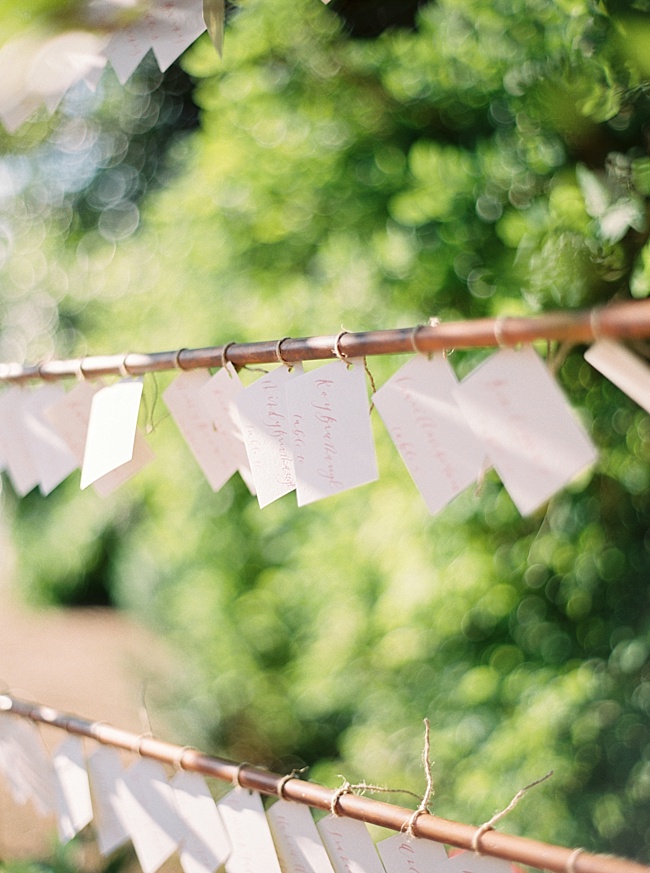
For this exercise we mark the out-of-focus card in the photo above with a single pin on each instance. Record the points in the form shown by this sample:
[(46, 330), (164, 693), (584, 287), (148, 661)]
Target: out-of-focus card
[(26, 765), (21, 467), (143, 454), (172, 28), (219, 395), (404, 854), (105, 772), (111, 429), (53, 459), (332, 436), (527, 427), (349, 845), (266, 429), (184, 400), (296, 839), (69, 416), (251, 843), (126, 49), (154, 824), (205, 845), (430, 432), (623, 368), (73, 804)]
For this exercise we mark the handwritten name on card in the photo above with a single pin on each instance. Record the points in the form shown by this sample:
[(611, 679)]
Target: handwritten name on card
[(349, 845), (73, 805), (403, 854), (266, 429), (526, 426), (53, 459), (252, 848), (332, 438), (300, 848), (105, 773), (435, 442), (20, 465), (205, 845), (623, 368)]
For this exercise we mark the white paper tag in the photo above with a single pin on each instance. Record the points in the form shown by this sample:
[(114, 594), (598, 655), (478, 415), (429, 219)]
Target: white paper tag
[(27, 767), (435, 442), (174, 27), (185, 402), (526, 425), (252, 848), (53, 459), (332, 438), (219, 396), (143, 454), (20, 465), (205, 845), (349, 845), (296, 839), (126, 49), (73, 804), (111, 429), (69, 416), (403, 854), (147, 799), (105, 772), (623, 368), (470, 862), (265, 427)]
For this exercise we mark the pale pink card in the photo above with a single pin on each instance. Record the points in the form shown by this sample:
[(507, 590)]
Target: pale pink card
[(73, 804), (53, 459), (105, 772), (333, 445), (252, 847), (430, 432), (173, 27), (526, 425), (404, 854), (623, 368), (111, 429), (349, 845), (21, 467), (266, 430), (296, 839), (205, 845), (126, 49)]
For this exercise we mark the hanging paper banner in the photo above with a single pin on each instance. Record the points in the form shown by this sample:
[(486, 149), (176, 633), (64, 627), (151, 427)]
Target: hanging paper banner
[(332, 439), (349, 845), (252, 846), (526, 426), (26, 766), (73, 805), (52, 458), (105, 772), (296, 839), (404, 854), (431, 434), (623, 368), (20, 465), (205, 845)]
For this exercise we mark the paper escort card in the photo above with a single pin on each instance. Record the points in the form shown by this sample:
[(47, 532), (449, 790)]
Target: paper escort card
[(126, 49), (111, 429), (526, 426), (143, 454), (184, 400), (470, 862), (69, 416), (20, 465), (155, 827), (266, 429), (73, 805), (296, 839), (404, 854), (332, 438), (174, 27), (53, 459), (219, 395), (252, 848), (105, 772), (623, 368), (205, 845), (435, 442), (27, 767), (349, 845)]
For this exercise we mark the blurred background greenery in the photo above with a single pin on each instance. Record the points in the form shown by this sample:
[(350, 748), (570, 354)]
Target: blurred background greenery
[(371, 165)]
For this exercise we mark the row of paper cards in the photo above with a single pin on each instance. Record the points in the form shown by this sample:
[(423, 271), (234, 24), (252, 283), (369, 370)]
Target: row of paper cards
[(161, 816), (310, 432)]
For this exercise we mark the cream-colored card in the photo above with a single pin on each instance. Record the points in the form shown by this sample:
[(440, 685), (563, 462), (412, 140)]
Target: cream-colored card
[(527, 427), (430, 432), (126, 49), (296, 839), (205, 845), (214, 455), (69, 416), (105, 772), (150, 814), (404, 854), (174, 27), (111, 429), (623, 368), (252, 847), (349, 845), (265, 427), (73, 805), (20, 465), (332, 438), (143, 454), (53, 459), (27, 767)]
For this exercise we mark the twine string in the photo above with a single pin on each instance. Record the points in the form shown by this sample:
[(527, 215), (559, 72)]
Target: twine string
[(429, 792), (489, 825)]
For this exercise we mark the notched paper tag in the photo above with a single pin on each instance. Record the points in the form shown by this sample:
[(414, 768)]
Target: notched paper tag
[(430, 432), (527, 427), (21, 467), (53, 459), (73, 804), (349, 845), (623, 368), (404, 854), (332, 438), (205, 845), (266, 430), (296, 839), (105, 772), (252, 848)]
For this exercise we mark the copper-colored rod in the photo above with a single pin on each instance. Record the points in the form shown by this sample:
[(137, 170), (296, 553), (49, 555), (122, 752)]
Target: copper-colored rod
[(543, 856), (624, 321)]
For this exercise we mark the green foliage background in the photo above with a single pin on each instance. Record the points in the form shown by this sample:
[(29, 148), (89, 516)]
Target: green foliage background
[(493, 160)]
